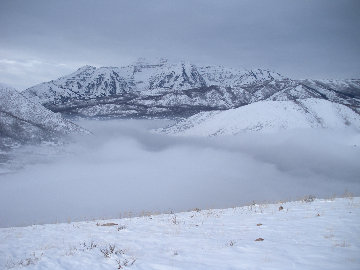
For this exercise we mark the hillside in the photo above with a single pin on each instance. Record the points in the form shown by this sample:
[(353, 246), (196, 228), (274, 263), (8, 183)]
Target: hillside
[(24, 121), (319, 234), (268, 116)]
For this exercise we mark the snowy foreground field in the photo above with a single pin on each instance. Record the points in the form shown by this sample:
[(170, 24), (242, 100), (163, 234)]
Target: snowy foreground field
[(320, 234)]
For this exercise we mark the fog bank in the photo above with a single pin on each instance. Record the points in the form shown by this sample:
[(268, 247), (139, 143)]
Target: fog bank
[(125, 168)]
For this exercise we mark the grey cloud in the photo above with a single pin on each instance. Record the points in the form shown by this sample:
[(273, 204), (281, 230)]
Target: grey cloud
[(316, 39)]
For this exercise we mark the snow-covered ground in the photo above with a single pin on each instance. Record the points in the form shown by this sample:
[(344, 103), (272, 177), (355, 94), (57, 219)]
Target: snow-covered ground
[(320, 234)]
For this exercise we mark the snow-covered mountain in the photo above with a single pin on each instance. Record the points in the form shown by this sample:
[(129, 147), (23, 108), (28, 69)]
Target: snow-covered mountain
[(22, 120), (178, 89), (268, 116)]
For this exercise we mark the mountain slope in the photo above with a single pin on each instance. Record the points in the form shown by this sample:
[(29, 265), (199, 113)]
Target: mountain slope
[(268, 116), (342, 91), (319, 234), (178, 89), (22, 120)]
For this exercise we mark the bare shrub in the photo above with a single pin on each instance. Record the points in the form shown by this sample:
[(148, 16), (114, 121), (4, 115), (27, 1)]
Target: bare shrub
[(174, 220), (124, 263), (119, 252), (31, 260), (309, 198), (107, 251), (112, 248), (121, 227), (348, 195)]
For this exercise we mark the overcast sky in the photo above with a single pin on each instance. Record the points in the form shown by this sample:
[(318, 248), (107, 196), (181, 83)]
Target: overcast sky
[(41, 40)]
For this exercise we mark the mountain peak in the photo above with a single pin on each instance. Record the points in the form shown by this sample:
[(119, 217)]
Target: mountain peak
[(85, 68)]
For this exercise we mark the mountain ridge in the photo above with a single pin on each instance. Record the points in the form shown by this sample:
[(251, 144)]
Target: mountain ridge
[(268, 116), (24, 121), (166, 89)]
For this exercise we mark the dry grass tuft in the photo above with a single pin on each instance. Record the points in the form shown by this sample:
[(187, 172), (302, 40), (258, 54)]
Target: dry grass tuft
[(108, 224)]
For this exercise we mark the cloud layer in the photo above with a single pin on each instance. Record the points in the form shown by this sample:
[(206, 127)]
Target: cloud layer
[(124, 168)]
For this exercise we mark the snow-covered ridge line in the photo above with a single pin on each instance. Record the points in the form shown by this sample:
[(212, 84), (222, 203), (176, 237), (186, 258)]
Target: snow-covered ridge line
[(268, 116), (174, 89), (22, 120), (309, 234)]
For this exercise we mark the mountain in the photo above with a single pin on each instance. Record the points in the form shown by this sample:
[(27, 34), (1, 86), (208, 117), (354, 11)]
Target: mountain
[(24, 121), (164, 89), (268, 116)]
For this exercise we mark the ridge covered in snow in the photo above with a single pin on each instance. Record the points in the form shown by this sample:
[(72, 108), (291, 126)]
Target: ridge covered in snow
[(178, 89), (268, 116), (308, 234), (22, 120)]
